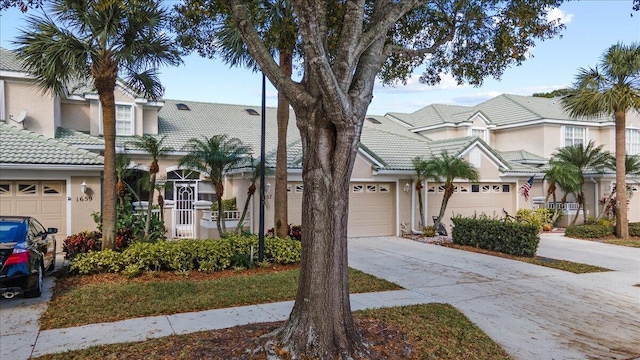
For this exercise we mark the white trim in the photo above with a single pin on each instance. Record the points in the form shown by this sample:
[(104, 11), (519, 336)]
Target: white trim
[(557, 122), (491, 157), (3, 118), (50, 167), (478, 114), (563, 134), (397, 120), (68, 205), (15, 74), (370, 158)]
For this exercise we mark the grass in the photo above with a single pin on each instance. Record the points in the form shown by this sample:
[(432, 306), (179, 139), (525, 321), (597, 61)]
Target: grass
[(81, 300), (565, 265), (433, 331), (635, 243)]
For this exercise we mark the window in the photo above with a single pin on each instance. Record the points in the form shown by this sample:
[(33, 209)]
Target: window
[(27, 189), (633, 141), (475, 188), (182, 106), (124, 119), (299, 188), (373, 121), (5, 189), (289, 188), (357, 188), (383, 188), (481, 133), (431, 189), (252, 112), (486, 188), (440, 189), (496, 188), (464, 188), (506, 188), (51, 188), (574, 135), (372, 188)]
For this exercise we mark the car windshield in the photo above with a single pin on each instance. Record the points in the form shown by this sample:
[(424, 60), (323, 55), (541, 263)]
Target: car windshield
[(12, 231)]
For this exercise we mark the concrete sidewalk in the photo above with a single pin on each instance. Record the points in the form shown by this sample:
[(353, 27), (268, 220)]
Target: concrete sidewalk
[(533, 312)]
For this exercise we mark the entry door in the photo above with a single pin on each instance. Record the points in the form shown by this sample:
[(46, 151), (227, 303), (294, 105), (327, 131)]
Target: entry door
[(183, 213)]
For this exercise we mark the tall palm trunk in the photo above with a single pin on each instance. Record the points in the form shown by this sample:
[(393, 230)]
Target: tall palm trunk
[(245, 210), (448, 192), (147, 224), (280, 207), (222, 229), (622, 223), (578, 211), (420, 204), (104, 71), (322, 310)]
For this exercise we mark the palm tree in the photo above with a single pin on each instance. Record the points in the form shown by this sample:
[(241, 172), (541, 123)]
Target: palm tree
[(155, 148), (251, 190), (612, 89), (564, 177), (631, 167), (99, 41), (445, 169), (215, 156), (421, 169), (280, 33), (583, 159)]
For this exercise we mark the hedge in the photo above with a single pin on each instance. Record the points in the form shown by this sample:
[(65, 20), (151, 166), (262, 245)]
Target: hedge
[(634, 229), (589, 231), (505, 236), (185, 255)]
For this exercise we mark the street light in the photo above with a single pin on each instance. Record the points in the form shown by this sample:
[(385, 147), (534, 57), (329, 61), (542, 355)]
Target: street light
[(262, 160)]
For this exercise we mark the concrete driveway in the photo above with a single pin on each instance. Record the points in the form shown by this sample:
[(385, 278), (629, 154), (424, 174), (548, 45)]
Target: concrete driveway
[(532, 311)]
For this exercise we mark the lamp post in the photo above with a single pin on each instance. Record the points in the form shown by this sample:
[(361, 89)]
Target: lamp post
[(262, 160)]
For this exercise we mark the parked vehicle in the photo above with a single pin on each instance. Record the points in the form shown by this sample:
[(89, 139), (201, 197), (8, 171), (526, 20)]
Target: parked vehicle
[(26, 250)]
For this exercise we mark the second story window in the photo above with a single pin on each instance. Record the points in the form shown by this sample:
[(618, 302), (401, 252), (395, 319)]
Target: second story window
[(633, 141), (124, 120), (574, 135), (481, 133)]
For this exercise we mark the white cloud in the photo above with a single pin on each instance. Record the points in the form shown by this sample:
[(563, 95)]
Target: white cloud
[(557, 14), (447, 82)]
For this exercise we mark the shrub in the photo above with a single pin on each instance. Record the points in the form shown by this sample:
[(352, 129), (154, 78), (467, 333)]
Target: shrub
[(589, 231), (634, 229), (429, 231), (81, 243), (293, 232), (510, 237), (537, 217), (186, 255)]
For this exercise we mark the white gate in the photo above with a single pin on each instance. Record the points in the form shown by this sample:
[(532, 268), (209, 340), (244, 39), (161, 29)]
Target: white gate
[(183, 213)]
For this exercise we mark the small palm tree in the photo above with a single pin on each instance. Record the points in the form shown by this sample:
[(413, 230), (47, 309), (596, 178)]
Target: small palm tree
[(98, 41), (445, 169), (251, 190), (583, 159), (564, 177), (122, 171), (215, 156), (611, 89), (156, 149)]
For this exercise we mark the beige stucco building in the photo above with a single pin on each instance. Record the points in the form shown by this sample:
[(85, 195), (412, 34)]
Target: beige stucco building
[(51, 167)]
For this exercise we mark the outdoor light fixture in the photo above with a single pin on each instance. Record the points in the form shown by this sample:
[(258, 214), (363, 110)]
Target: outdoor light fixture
[(83, 187), (407, 187), (267, 187)]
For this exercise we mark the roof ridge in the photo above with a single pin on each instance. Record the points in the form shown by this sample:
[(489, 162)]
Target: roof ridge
[(510, 98)]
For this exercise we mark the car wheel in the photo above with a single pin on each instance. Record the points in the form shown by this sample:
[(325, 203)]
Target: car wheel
[(37, 291)]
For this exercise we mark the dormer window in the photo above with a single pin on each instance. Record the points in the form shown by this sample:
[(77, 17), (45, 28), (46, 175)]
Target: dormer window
[(482, 133), (251, 112), (182, 106), (124, 120)]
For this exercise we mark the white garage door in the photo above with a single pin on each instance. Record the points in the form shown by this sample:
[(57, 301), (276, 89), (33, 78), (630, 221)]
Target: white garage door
[(371, 208), (44, 200)]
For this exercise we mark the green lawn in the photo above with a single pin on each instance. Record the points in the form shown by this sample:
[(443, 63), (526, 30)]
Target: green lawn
[(81, 300), (430, 331)]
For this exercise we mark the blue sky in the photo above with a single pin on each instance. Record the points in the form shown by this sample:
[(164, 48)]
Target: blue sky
[(591, 27)]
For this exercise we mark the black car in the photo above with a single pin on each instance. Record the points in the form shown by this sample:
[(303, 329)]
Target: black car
[(26, 250)]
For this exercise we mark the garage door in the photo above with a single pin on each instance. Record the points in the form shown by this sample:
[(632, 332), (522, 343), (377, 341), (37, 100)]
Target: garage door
[(44, 200), (371, 208)]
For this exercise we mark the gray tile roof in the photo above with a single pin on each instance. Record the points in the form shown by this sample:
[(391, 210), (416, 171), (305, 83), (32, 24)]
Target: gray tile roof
[(501, 110), (522, 155), (19, 146), (9, 61)]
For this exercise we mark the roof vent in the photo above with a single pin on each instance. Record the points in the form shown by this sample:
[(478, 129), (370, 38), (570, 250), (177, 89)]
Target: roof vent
[(373, 121), (182, 106), (251, 111)]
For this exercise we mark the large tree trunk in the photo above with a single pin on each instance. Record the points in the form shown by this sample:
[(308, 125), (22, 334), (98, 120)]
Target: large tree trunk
[(622, 223), (104, 73), (321, 325), (422, 221), (280, 207)]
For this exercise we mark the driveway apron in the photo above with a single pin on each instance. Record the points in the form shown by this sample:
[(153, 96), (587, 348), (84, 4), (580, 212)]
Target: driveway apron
[(532, 311)]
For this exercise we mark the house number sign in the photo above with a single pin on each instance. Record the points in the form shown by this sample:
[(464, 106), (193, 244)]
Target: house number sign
[(84, 198)]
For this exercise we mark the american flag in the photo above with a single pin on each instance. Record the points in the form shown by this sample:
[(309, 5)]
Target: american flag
[(526, 187)]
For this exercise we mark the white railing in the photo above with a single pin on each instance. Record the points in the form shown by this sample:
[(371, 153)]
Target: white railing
[(155, 213), (228, 215), (570, 206)]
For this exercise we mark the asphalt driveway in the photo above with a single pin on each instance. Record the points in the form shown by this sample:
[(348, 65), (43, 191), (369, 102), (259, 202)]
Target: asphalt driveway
[(532, 311)]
